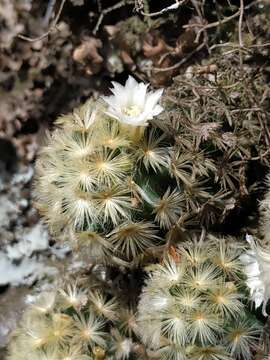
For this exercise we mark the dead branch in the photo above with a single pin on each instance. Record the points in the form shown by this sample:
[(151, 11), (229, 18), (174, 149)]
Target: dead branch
[(211, 25), (182, 61), (52, 27), (48, 13), (240, 35), (174, 6), (108, 10)]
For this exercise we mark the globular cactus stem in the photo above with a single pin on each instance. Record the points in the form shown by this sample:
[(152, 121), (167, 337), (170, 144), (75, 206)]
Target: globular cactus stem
[(193, 305), (73, 323)]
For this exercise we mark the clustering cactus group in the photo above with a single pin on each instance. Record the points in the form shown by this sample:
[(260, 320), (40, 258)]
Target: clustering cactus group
[(127, 184), (119, 186)]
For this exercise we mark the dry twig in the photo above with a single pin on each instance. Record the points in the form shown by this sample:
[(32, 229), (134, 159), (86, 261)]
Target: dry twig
[(240, 35), (211, 25), (174, 6), (48, 13), (108, 10), (182, 61), (52, 27)]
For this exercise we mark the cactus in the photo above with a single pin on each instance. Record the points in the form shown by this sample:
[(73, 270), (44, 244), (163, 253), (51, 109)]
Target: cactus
[(72, 323), (93, 177), (122, 180), (127, 185), (193, 305)]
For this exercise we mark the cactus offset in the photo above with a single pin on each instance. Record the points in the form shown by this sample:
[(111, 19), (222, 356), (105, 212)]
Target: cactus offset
[(193, 307)]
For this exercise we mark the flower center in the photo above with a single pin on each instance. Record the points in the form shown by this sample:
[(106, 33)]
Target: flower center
[(131, 110)]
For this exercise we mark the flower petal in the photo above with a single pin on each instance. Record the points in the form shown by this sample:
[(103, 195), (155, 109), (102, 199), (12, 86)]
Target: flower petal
[(157, 110), (117, 89), (131, 104), (131, 83), (152, 100), (139, 95)]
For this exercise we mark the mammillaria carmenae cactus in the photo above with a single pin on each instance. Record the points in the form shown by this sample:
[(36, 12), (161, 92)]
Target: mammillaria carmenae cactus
[(193, 305), (122, 177), (72, 323), (93, 176), (127, 183)]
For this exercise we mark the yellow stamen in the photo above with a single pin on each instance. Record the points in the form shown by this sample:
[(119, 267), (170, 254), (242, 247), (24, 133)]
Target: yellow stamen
[(132, 110), (99, 353)]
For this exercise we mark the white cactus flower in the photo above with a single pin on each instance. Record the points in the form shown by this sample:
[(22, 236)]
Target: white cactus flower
[(257, 269), (132, 104)]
